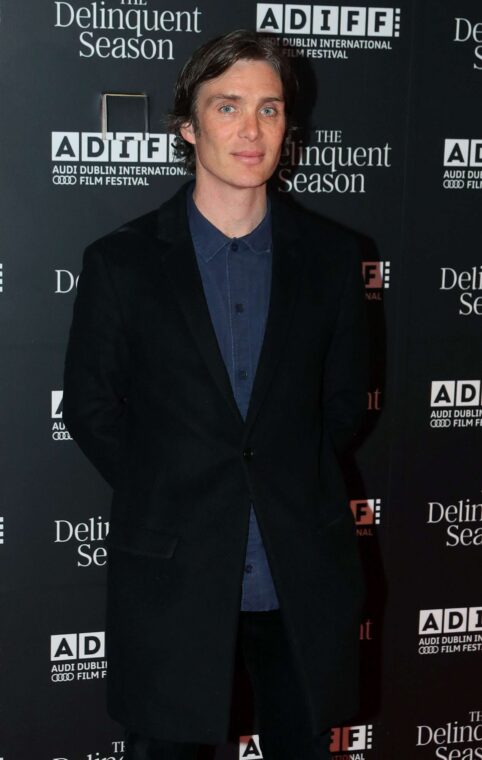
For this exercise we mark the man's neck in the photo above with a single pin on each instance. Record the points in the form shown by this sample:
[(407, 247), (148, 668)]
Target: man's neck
[(234, 211)]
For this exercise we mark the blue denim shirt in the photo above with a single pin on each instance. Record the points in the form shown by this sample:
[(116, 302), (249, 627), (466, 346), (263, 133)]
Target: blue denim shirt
[(236, 275)]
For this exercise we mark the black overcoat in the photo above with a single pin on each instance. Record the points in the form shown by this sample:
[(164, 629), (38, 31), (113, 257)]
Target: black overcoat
[(148, 399)]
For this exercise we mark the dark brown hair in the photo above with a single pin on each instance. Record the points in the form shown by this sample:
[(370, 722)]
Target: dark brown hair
[(211, 60)]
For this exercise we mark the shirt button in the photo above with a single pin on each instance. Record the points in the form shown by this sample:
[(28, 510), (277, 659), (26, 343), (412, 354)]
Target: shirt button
[(234, 246), (239, 307), (248, 568)]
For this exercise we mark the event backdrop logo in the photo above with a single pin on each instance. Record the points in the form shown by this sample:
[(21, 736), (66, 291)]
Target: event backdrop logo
[(467, 283), (462, 521), (125, 32), (115, 752), (454, 630), (347, 743), (376, 276), (2, 530), (463, 164), (468, 31), (455, 403), (338, 168), (78, 657), (121, 160), (59, 431), (354, 740), (65, 281), (87, 536), (367, 514), (328, 31), (249, 748), (366, 630), (374, 398), (456, 739)]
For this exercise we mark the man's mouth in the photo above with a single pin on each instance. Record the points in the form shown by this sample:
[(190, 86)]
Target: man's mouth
[(249, 156)]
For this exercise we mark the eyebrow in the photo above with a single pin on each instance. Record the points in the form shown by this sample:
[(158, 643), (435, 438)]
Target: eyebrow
[(227, 96)]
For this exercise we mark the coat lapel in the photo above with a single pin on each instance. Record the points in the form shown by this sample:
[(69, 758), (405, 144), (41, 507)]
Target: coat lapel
[(287, 260), (179, 260)]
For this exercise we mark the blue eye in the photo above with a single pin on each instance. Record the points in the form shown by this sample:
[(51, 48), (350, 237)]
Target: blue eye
[(224, 107), (272, 111)]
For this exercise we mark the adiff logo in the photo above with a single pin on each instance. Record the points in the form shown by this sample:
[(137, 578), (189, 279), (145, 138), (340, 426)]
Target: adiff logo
[(118, 148), (463, 164), (59, 431), (450, 620), (343, 739), (452, 393), (78, 657), (77, 646), (351, 739), (119, 159), (463, 152), (367, 514), (376, 274), (329, 20)]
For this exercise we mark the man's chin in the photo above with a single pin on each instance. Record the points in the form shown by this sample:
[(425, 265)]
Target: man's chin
[(250, 179)]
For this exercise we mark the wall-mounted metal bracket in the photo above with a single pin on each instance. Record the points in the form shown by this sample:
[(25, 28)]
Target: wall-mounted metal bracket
[(124, 112)]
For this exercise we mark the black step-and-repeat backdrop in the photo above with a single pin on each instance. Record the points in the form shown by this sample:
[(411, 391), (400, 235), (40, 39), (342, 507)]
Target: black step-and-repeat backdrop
[(392, 148)]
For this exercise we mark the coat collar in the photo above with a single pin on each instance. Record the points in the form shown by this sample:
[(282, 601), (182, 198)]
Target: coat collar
[(179, 260)]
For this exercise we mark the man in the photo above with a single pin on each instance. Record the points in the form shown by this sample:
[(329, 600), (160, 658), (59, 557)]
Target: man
[(215, 369)]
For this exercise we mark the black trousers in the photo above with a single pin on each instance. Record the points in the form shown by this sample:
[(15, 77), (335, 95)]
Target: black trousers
[(280, 710)]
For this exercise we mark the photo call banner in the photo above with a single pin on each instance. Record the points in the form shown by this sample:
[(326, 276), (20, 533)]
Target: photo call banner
[(390, 147)]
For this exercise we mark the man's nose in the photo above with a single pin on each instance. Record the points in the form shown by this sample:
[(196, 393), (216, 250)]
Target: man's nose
[(249, 126)]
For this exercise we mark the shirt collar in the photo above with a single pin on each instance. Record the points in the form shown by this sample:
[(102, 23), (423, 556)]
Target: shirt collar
[(209, 240)]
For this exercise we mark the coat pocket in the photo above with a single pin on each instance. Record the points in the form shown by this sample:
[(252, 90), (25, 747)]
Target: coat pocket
[(137, 539)]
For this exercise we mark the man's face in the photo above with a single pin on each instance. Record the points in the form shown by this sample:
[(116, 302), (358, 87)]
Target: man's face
[(241, 125)]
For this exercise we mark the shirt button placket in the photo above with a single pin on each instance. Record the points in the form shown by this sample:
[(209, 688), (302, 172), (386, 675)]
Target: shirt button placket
[(240, 325)]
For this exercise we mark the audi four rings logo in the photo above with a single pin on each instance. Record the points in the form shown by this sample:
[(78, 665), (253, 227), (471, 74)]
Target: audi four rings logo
[(61, 435), (62, 179)]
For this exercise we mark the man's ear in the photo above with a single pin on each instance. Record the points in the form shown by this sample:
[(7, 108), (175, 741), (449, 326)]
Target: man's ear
[(187, 133)]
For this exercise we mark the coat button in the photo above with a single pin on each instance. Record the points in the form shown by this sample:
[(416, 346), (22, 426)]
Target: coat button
[(248, 454)]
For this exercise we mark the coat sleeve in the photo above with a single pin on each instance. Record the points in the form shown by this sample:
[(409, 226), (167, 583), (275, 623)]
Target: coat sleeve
[(96, 369), (346, 367)]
